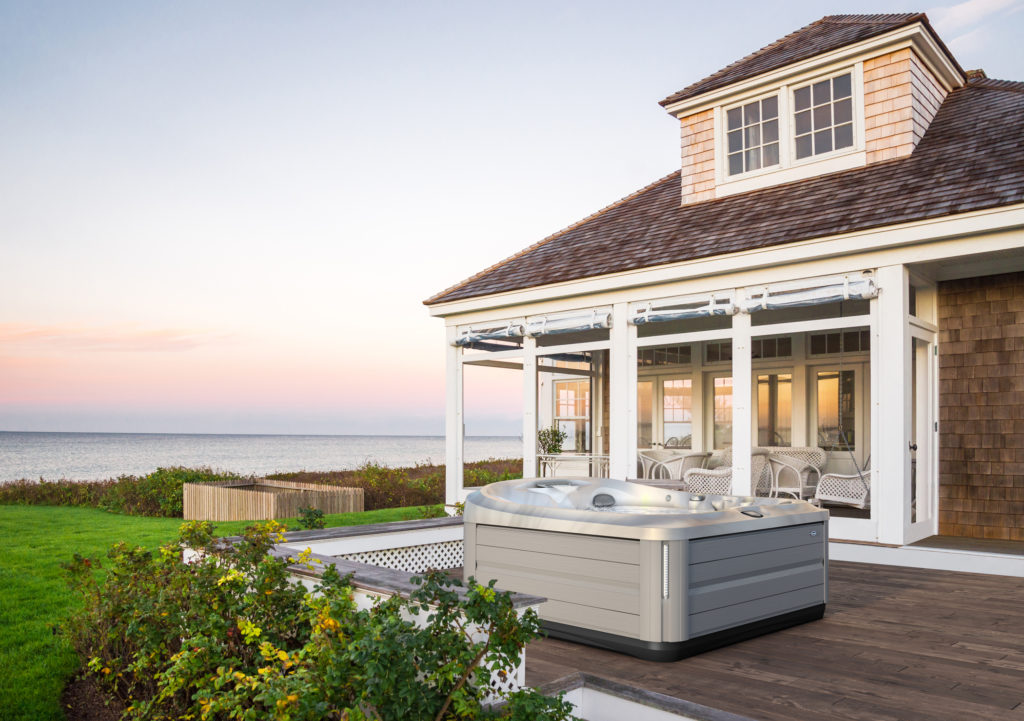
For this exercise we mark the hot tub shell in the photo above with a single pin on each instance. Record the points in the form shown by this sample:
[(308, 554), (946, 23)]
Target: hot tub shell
[(655, 573)]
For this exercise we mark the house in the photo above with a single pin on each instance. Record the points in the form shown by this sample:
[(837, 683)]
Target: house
[(838, 263)]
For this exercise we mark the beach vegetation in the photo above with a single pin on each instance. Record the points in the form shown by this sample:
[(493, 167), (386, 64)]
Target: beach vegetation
[(227, 634), (311, 518)]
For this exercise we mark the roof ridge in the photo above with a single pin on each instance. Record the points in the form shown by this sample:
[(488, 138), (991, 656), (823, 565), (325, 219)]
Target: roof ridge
[(1013, 86), (874, 18), (553, 236)]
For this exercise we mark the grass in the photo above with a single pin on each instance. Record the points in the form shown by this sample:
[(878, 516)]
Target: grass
[(34, 597)]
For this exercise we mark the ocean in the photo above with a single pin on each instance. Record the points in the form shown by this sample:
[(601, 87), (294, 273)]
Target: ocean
[(97, 456)]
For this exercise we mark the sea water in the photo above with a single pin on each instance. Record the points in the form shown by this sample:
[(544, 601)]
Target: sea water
[(95, 456)]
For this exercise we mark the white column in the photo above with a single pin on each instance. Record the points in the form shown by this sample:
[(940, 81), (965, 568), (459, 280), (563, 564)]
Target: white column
[(622, 395), (454, 428), (529, 407), (742, 438), (890, 365)]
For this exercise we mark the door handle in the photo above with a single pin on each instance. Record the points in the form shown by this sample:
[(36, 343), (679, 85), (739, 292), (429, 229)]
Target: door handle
[(913, 446)]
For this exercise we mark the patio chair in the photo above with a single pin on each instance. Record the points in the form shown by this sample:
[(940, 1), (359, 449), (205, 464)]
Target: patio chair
[(796, 471), (662, 464), (846, 489), (719, 480)]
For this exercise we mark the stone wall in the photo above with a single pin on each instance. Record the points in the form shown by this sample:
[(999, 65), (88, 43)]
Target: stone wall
[(981, 407)]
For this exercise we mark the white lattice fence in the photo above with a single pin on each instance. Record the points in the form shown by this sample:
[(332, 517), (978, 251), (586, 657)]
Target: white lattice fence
[(412, 559)]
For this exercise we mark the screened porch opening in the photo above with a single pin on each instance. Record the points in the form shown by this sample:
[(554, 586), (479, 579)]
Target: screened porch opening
[(810, 411), (573, 398)]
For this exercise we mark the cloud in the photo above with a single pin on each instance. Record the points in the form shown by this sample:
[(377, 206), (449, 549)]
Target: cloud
[(118, 339), (954, 19)]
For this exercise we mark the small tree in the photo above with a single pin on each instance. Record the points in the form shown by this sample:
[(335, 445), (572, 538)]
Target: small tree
[(551, 439)]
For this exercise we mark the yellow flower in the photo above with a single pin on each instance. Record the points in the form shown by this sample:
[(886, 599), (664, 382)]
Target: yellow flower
[(282, 655), (106, 670)]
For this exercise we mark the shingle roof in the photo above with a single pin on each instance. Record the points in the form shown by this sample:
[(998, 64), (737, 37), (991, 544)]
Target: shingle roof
[(971, 158), (822, 36)]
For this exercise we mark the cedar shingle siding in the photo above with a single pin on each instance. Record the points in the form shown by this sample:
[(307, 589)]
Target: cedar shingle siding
[(981, 407)]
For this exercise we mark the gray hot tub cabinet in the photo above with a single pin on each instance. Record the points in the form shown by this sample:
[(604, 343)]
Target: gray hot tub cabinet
[(658, 574)]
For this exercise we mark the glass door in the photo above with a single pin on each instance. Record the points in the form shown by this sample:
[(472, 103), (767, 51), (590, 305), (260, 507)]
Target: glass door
[(921, 490)]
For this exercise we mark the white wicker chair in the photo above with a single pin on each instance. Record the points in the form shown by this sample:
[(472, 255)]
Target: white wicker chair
[(719, 480), (846, 489), (668, 465), (796, 471)]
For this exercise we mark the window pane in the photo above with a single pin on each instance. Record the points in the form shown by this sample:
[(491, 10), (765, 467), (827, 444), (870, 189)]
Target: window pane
[(851, 341), (775, 409), (803, 122), (822, 141), (753, 159), (771, 154), (817, 344), (723, 412), (822, 117), (752, 136), (712, 352), (832, 343), (836, 415), (751, 113), (844, 136), (843, 111), (770, 131), (769, 347), (821, 92), (785, 346), (735, 117), (841, 86), (735, 141), (803, 146), (677, 408), (644, 413), (770, 107), (802, 98), (735, 163)]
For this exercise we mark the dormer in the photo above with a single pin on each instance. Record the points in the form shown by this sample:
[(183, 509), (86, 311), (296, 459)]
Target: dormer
[(843, 92)]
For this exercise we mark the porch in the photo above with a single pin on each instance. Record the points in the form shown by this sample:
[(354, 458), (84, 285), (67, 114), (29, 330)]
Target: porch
[(895, 643)]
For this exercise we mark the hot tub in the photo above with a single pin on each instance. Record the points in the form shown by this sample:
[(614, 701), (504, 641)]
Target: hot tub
[(654, 573)]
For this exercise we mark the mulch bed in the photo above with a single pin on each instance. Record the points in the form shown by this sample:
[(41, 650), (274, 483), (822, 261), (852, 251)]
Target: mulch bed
[(83, 700)]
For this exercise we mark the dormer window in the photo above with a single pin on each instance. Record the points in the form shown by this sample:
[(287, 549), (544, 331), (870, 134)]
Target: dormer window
[(753, 135), (823, 116)]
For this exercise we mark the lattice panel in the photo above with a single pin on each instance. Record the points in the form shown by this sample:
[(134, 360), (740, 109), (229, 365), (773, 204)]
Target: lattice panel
[(412, 559)]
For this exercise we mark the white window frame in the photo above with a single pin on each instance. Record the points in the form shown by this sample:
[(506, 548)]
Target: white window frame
[(724, 150), (858, 117), (789, 168)]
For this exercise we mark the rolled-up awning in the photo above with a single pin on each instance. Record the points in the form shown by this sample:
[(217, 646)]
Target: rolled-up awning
[(683, 310), (834, 290), (510, 330), (550, 325)]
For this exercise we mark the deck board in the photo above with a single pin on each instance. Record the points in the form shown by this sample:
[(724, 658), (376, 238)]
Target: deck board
[(895, 643)]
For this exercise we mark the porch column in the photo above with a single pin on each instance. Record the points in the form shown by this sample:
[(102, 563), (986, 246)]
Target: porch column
[(622, 395), (891, 363), (454, 428), (742, 438), (529, 407)]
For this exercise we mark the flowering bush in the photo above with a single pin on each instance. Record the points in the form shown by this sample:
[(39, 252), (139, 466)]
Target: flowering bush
[(229, 636)]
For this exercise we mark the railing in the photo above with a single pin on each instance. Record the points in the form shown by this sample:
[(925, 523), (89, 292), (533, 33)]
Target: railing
[(588, 465)]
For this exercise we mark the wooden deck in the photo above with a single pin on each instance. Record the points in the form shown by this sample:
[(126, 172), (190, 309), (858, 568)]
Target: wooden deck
[(895, 643)]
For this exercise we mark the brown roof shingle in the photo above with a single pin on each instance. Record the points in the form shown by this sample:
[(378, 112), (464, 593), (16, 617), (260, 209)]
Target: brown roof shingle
[(971, 158), (829, 33)]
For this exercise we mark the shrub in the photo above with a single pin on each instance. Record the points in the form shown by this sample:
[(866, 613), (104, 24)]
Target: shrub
[(551, 439), (229, 636), (311, 518), (157, 494)]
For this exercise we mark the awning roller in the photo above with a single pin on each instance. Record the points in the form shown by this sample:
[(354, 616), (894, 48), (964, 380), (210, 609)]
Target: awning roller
[(847, 289), (590, 320), (475, 335), (712, 307)]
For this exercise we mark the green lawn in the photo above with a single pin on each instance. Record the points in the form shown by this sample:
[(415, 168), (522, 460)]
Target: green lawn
[(34, 663)]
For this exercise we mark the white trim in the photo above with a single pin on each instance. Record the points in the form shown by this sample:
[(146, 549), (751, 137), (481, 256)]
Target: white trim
[(846, 159), (912, 36), (742, 387), (811, 326), (937, 559), (477, 358), (919, 241), (378, 541), (680, 338), (455, 426), (573, 347), (530, 401)]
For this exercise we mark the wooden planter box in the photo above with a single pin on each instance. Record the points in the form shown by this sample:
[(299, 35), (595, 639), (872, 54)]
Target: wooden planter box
[(262, 499)]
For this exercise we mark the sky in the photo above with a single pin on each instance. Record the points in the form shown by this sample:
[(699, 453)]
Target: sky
[(224, 217)]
